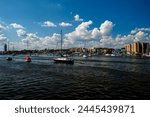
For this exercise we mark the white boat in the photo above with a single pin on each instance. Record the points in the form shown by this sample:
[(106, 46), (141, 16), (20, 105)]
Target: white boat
[(113, 55), (85, 56), (107, 55)]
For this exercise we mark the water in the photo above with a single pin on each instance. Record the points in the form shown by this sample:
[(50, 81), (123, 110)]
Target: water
[(92, 78)]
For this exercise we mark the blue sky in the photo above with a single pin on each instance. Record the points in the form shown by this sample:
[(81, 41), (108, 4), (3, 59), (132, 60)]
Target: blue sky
[(35, 17)]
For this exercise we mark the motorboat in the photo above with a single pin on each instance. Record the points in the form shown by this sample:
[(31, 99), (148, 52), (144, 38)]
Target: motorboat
[(9, 58), (28, 59), (64, 60)]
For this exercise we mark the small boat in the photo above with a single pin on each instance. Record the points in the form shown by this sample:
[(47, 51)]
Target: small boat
[(107, 55), (9, 58), (112, 55), (85, 56), (28, 59)]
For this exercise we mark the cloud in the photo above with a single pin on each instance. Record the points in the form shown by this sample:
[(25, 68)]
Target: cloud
[(36, 42), (51, 41), (141, 36), (82, 33), (32, 37), (63, 24), (140, 29), (48, 24), (3, 37), (21, 33), (2, 27), (77, 18), (100, 36), (16, 26), (106, 27)]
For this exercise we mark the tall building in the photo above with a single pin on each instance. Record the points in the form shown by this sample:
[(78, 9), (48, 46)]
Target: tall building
[(5, 48)]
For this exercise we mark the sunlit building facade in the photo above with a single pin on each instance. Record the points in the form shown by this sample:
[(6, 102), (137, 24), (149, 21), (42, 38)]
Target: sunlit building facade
[(137, 48)]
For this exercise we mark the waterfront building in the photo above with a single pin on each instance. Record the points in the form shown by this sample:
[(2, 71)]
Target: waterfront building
[(91, 50), (76, 49)]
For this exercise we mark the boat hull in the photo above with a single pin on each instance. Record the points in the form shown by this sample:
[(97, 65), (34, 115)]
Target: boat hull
[(28, 59), (64, 61), (9, 59)]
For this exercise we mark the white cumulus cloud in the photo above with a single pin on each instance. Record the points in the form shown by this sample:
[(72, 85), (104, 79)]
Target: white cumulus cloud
[(140, 29), (100, 36), (48, 24), (21, 33), (82, 33), (63, 24), (77, 18), (2, 27), (51, 41), (3, 37), (16, 26), (106, 27), (32, 37)]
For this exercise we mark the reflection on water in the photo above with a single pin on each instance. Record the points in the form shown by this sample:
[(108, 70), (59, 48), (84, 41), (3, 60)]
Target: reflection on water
[(89, 78)]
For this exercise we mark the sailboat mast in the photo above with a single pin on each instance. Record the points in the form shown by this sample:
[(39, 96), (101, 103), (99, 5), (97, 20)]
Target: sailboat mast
[(27, 44), (61, 41), (7, 45)]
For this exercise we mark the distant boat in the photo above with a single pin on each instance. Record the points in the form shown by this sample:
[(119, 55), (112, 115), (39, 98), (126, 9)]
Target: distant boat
[(85, 56), (9, 58), (112, 55), (107, 55), (63, 59), (28, 59), (89, 55), (146, 55)]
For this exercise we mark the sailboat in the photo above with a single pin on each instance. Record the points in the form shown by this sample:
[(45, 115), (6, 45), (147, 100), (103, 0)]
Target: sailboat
[(9, 58), (63, 59)]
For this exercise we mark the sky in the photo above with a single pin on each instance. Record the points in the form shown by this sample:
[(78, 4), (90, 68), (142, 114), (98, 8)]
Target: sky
[(98, 23)]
